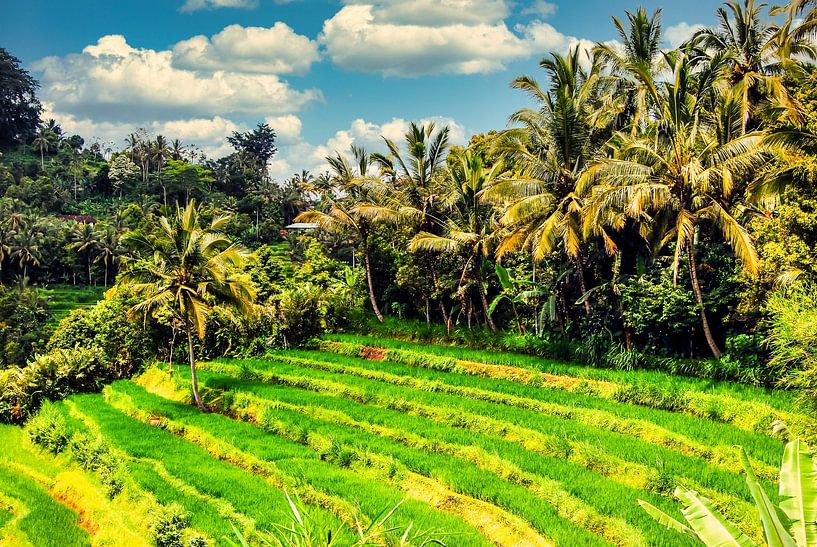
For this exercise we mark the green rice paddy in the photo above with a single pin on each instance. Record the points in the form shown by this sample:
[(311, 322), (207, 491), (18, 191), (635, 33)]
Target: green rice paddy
[(475, 448)]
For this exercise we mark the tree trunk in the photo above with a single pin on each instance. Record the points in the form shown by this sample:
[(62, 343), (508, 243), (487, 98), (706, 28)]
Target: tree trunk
[(106, 275), (484, 300), (90, 281), (193, 377), (449, 326), (699, 297), (428, 311), (579, 262), (42, 159), (368, 266)]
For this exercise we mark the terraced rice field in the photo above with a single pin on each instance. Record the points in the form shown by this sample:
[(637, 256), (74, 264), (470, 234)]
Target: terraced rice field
[(63, 299), (481, 448)]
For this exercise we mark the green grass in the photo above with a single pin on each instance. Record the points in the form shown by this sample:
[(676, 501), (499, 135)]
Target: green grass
[(193, 465), (350, 436), (776, 398), (303, 464), (63, 299), (41, 515)]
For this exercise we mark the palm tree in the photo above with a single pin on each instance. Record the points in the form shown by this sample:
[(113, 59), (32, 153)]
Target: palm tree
[(26, 247), (553, 149), (84, 239), (159, 151), (349, 197), (633, 66), (133, 142), (751, 55), (108, 250), (469, 227), (43, 142), (187, 268), (177, 150), (678, 176)]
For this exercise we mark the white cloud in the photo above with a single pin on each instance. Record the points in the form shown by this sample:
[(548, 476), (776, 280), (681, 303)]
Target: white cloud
[(676, 35), (540, 8), (276, 50), (301, 154), (116, 82), (436, 12), (195, 5), (372, 37)]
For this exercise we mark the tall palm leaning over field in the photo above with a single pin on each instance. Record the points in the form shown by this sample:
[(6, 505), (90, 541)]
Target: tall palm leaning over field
[(679, 176), (347, 196), (186, 269), (553, 147), (469, 222)]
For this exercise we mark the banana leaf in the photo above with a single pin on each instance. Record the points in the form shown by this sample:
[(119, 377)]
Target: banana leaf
[(773, 528), (711, 527), (798, 488)]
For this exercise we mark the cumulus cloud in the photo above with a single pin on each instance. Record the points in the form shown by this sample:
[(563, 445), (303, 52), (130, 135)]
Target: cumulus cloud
[(540, 8), (372, 37), (196, 5), (113, 81), (676, 35), (300, 154), (436, 12), (277, 50)]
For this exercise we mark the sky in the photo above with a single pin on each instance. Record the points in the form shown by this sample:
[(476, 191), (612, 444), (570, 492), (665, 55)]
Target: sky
[(323, 73)]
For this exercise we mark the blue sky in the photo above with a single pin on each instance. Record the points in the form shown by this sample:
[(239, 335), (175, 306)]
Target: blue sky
[(323, 73)]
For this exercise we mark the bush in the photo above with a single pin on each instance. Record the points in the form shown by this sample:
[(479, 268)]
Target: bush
[(54, 375), (94, 454), (126, 345), (168, 524), (48, 429), (793, 339), (23, 325)]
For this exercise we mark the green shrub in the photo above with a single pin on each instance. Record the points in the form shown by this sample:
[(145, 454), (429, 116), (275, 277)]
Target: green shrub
[(168, 524), (48, 429), (793, 339), (126, 345), (53, 375), (94, 454)]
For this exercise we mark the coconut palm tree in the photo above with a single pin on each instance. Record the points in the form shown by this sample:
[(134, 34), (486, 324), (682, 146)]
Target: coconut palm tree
[(632, 66), (751, 56), (469, 222), (108, 249), (26, 246), (186, 268), (349, 196), (552, 149), (42, 141), (678, 177), (85, 240)]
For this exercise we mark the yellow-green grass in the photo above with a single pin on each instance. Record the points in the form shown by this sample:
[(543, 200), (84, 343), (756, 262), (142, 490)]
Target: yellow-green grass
[(192, 465), (30, 513), (63, 299), (301, 464), (616, 458)]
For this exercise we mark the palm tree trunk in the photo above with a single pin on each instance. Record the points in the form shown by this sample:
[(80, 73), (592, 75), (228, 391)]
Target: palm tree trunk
[(42, 159), (368, 266), (90, 281), (699, 297), (484, 300), (579, 262), (106, 275), (191, 356)]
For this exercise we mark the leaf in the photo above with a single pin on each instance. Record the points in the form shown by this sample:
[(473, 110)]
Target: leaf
[(499, 298), (504, 277), (798, 487), (710, 526), (773, 528), (665, 519)]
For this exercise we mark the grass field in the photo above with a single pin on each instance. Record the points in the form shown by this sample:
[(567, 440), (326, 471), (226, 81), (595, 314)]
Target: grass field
[(63, 299), (477, 448)]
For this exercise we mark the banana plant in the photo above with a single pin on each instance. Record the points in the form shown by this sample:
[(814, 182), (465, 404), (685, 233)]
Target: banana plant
[(792, 523), (523, 291)]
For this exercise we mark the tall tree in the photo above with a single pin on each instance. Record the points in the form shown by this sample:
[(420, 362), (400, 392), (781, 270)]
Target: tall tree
[(678, 177), (19, 107), (469, 223), (552, 149), (350, 196), (187, 268)]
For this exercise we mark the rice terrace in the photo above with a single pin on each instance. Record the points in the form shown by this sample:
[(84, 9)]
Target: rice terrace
[(385, 273)]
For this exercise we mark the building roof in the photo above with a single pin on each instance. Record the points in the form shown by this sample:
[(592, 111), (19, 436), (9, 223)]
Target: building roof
[(302, 226)]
